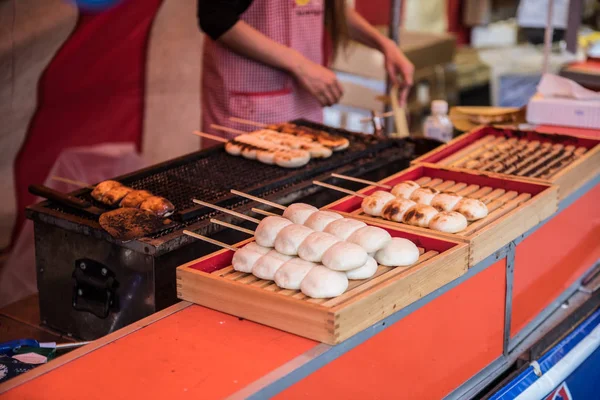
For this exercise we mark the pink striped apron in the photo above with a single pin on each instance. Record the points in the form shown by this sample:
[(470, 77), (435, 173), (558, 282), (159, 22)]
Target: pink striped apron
[(236, 86)]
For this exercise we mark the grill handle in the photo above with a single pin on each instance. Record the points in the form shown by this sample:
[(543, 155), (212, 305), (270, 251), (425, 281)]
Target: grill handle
[(63, 198)]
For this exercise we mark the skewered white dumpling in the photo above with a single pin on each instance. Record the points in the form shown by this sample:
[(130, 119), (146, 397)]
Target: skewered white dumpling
[(267, 230), (344, 256), (370, 238), (322, 282), (315, 245), (291, 274), (290, 238), (404, 189), (472, 209), (420, 215), (343, 228), (298, 213), (319, 220), (448, 221), (374, 204), (398, 252), (364, 272), (266, 266)]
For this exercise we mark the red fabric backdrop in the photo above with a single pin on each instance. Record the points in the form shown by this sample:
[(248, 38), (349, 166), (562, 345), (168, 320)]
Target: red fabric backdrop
[(92, 92)]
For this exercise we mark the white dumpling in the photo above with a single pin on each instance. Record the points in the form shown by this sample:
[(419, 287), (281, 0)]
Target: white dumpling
[(315, 245), (257, 248), (344, 256), (419, 215), (472, 209), (343, 228), (445, 201), (398, 252), (267, 230), (423, 195), (374, 204), (319, 220), (290, 238), (298, 213), (267, 265), (364, 272), (322, 283), (370, 238), (405, 189), (244, 259), (448, 221), (292, 273), (395, 209)]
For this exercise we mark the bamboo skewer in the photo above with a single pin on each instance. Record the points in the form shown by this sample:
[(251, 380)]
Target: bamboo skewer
[(209, 240), (72, 182), (226, 211), (209, 136), (226, 129), (248, 122), (463, 156), (231, 226), (258, 199), (367, 182), (265, 213), (339, 189)]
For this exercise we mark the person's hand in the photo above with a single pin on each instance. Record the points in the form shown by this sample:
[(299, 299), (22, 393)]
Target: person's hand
[(321, 82), (396, 64)]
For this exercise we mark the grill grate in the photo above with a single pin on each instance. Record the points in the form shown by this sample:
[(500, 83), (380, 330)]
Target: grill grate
[(180, 180)]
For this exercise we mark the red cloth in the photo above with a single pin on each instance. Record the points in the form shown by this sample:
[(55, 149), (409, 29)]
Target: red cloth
[(92, 92)]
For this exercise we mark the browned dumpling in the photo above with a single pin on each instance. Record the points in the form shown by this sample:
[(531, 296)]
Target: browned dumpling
[(158, 206), (135, 198), (102, 188), (115, 195)]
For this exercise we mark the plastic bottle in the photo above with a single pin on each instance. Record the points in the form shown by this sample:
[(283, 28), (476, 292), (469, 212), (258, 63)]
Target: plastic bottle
[(438, 125)]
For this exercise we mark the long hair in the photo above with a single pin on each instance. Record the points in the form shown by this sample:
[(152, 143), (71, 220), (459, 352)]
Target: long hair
[(336, 24)]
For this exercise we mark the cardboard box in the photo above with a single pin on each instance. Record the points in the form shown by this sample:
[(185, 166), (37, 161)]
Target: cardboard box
[(564, 112)]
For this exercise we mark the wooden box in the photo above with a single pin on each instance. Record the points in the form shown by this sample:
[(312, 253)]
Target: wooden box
[(566, 161), (514, 205), (211, 282)]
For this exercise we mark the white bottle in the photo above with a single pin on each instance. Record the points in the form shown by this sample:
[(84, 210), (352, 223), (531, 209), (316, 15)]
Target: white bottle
[(438, 125)]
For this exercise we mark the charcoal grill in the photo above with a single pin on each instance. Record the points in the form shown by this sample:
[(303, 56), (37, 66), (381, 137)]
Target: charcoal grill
[(91, 284)]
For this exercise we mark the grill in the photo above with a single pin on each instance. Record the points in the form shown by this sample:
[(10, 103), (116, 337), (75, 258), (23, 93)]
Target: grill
[(91, 284)]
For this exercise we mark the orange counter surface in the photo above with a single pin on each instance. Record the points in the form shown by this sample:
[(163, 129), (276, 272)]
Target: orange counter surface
[(424, 351)]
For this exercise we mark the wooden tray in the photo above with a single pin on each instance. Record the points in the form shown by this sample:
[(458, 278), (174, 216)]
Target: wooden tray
[(211, 282), (566, 161), (514, 205)]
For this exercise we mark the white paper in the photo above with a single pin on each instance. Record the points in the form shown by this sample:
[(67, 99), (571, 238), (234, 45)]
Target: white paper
[(557, 86), (534, 13), (31, 358)]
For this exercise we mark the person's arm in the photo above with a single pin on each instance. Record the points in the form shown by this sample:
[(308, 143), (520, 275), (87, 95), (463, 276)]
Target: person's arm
[(396, 62)]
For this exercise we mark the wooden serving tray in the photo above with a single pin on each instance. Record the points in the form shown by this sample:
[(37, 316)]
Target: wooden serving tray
[(210, 281), (514, 205), (566, 161)]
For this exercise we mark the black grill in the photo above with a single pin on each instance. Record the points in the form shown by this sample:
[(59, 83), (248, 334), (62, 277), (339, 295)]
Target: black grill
[(210, 174)]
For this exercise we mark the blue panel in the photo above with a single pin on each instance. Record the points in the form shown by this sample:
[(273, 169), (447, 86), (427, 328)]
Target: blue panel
[(585, 379)]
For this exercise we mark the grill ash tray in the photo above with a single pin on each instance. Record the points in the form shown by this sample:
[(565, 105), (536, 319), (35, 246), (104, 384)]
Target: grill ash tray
[(211, 282), (514, 205), (567, 161)]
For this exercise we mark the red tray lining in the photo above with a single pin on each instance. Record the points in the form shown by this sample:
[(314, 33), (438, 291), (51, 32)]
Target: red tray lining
[(219, 260), (509, 133)]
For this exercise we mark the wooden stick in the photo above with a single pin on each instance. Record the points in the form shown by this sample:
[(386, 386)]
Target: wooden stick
[(467, 150), (209, 240), (226, 129), (249, 196), (72, 182), (266, 213), (227, 211), (367, 182), (247, 122), (339, 189), (209, 136), (237, 228)]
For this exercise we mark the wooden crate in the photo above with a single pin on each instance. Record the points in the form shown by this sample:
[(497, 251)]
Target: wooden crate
[(514, 205), (211, 282), (569, 161)]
